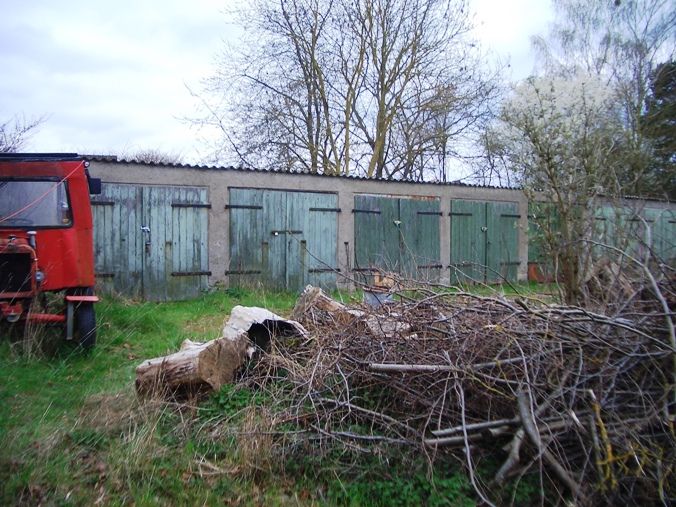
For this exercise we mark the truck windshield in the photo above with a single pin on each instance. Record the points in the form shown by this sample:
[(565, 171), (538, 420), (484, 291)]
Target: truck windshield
[(34, 203)]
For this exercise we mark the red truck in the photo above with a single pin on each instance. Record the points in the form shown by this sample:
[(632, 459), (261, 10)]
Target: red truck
[(46, 242)]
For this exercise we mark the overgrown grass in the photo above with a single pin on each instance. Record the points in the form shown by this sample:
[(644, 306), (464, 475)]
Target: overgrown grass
[(69, 421), (72, 431)]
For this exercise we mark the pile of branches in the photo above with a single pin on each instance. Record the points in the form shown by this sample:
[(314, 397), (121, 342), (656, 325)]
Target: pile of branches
[(584, 400)]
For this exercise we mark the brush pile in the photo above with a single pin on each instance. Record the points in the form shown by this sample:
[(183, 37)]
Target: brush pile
[(584, 398)]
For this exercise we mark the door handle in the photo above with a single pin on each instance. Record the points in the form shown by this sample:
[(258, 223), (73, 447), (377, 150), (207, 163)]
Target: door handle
[(146, 230)]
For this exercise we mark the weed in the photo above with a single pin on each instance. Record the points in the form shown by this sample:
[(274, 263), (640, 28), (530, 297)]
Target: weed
[(235, 292), (402, 490), (255, 443)]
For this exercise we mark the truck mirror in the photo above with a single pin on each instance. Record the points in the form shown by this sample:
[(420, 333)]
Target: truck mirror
[(95, 186)]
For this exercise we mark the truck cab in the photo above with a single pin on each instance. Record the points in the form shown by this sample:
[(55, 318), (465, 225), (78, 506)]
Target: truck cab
[(46, 241)]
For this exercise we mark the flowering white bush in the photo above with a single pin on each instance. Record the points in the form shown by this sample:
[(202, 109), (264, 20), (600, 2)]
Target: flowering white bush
[(559, 133)]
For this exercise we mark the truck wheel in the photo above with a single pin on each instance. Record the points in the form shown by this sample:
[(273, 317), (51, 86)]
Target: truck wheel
[(86, 325), (85, 320)]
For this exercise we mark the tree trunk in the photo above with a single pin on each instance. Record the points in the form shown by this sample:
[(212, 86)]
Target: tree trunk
[(203, 366), (195, 367)]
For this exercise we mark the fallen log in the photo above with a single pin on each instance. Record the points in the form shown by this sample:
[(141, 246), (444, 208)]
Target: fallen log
[(196, 367), (207, 366), (259, 325)]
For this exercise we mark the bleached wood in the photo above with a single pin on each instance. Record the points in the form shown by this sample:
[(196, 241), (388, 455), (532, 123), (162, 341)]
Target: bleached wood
[(315, 298), (196, 365), (211, 364), (243, 317)]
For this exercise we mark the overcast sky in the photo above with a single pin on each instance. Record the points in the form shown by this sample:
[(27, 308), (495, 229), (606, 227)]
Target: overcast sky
[(111, 77)]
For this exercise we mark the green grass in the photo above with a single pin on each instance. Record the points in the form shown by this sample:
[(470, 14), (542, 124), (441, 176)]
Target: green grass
[(72, 431), (65, 415)]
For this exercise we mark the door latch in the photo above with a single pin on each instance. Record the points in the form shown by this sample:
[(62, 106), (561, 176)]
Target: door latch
[(146, 230)]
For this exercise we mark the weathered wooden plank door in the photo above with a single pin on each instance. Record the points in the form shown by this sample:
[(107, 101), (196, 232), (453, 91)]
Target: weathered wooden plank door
[(397, 234), (600, 232), (543, 222), (369, 232), (634, 231), (664, 232), (377, 236), (279, 237), (118, 243), (249, 243), (175, 242), (187, 249), (468, 241), (484, 241), (668, 237), (419, 238), (156, 219), (151, 241), (628, 229), (282, 239), (318, 247), (502, 241)]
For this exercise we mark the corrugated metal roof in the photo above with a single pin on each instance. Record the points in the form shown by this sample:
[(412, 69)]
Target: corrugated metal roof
[(116, 160)]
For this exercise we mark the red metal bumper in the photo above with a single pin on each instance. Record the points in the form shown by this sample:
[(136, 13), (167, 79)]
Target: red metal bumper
[(82, 299)]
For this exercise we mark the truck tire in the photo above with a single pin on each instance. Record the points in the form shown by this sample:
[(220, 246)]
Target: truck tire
[(86, 325), (85, 319)]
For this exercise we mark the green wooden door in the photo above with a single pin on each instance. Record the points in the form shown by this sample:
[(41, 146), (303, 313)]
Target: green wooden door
[(282, 239), (176, 248), (665, 237), (484, 241), (376, 231), (468, 241), (320, 232), (249, 242), (420, 256), (668, 234), (279, 238), (151, 242), (543, 223), (118, 243), (395, 234), (635, 232), (502, 241)]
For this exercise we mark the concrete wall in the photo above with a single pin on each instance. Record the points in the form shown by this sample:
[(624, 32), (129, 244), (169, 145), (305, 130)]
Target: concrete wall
[(219, 180)]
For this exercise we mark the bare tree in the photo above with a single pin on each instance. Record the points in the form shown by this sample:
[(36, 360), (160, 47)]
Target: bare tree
[(378, 87), (15, 132)]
